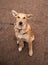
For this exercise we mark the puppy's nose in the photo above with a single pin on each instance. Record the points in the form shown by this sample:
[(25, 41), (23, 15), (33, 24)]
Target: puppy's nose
[(20, 23)]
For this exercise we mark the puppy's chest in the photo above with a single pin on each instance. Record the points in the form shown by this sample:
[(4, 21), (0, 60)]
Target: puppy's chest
[(19, 35)]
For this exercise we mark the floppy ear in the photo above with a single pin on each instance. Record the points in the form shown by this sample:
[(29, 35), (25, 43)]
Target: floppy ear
[(29, 15), (14, 13)]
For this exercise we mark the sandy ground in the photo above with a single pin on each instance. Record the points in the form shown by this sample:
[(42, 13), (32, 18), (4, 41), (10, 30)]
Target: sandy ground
[(9, 54)]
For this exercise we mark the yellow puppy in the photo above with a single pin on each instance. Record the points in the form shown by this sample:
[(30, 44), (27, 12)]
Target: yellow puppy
[(23, 30)]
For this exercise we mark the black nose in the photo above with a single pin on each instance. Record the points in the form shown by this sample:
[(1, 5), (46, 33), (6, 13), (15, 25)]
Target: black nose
[(20, 23)]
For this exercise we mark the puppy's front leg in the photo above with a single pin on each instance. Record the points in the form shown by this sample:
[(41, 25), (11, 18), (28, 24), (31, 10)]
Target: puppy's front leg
[(30, 48), (21, 45)]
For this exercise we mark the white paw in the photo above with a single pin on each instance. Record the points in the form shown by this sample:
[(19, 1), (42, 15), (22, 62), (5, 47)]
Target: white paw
[(20, 49), (30, 53)]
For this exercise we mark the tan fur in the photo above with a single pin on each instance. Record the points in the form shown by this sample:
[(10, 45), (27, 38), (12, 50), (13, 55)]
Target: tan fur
[(24, 32)]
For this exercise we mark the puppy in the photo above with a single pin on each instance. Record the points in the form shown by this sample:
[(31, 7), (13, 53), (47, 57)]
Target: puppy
[(23, 30)]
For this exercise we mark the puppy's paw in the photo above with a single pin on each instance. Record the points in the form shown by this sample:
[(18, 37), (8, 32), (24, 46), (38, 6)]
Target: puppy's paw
[(20, 49), (30, 53)]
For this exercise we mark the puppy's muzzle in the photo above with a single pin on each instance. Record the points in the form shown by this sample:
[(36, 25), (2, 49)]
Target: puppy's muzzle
[(20, 23)]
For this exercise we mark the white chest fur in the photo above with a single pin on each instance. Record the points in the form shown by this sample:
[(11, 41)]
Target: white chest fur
[(19, 35)]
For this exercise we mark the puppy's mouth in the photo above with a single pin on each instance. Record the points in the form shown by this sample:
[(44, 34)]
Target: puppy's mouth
[(20, 25), (19, 28)]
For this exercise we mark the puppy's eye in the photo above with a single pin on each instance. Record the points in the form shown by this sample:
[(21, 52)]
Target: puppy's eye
[(18, 17), (23, 17)]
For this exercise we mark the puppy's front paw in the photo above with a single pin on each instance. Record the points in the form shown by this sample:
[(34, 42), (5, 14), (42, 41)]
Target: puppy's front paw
[(30, 53), (20, 49)]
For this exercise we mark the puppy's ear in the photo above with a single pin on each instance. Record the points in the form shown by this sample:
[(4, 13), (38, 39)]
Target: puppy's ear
[(29, 16), (14, 13)]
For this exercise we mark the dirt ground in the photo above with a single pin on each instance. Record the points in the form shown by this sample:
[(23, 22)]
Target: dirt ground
[(9, 54)]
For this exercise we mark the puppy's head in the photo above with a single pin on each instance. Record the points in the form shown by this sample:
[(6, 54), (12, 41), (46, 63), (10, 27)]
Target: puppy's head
[(21, 19)]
